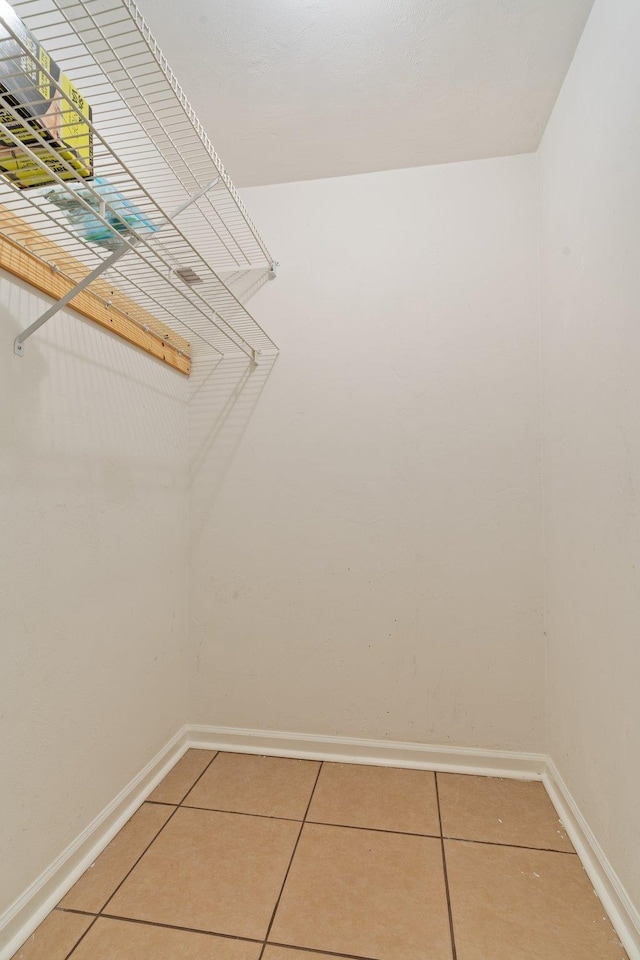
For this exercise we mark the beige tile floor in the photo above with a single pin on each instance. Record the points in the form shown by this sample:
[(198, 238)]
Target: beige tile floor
[(237, 857)]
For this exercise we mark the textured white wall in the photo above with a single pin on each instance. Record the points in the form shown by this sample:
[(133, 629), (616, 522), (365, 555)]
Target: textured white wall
[(589, 162), (369, 563), (92, 577)]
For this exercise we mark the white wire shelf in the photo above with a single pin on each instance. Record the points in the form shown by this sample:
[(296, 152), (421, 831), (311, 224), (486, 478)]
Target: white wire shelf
[(151, 149)]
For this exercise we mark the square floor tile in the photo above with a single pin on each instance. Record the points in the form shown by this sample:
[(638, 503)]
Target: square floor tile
[(515, 904), (378, 895), (55, 937), (269, 786), (180, 779), (96, 884), (220, 872), (380, 798), (123, 940), (499, 811)]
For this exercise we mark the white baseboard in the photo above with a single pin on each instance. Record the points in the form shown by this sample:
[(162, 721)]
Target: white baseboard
[(613, 896), (420, 756), (19, 921), (22, 918)]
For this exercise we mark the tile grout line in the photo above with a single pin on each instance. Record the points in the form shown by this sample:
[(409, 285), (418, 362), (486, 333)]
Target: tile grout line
[(156, 923), (293, 853), (446, 876), (199, 777), (154, 838), (173, 926), (78, 942), (436, 836), (82, 913), (99, 914), (512, 846), (322, 953), (353, 826), (210, 933), (241, 813)]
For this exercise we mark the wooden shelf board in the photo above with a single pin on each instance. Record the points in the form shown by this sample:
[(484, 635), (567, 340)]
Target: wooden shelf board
[(54, 272)]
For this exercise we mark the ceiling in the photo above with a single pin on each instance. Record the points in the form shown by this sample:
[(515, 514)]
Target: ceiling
[(300, 89)]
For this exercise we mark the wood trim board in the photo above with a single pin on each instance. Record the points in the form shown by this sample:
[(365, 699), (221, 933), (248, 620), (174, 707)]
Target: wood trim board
[(54, 272)]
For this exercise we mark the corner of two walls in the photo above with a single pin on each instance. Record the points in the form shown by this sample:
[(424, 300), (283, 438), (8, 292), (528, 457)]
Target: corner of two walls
[(590, 226)]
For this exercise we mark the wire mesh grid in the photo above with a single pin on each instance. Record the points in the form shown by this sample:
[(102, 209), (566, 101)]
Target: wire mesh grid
[(151, 150)]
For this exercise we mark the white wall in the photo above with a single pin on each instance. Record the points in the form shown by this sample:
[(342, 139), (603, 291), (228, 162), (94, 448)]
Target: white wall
[(369, 562), (92, 577), (589, 169)]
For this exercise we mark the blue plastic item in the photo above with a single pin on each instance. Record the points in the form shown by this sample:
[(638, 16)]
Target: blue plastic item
[(120, 213)]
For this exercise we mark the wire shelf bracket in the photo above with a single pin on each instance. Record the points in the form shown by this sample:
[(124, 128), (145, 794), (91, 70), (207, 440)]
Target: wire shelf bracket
[(18, 343)]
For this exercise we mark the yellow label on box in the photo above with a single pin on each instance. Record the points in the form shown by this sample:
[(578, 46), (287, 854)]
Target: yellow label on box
[(24, 171), (44, 84), (39, 103)]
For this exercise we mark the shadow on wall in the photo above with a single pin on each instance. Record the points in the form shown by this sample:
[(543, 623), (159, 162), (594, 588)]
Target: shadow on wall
[(84, 410), (12, 381), (81, 404), (244, 284), (225, 393)]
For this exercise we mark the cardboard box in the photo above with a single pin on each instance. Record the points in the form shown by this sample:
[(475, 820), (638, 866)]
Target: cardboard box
[(26, 87)]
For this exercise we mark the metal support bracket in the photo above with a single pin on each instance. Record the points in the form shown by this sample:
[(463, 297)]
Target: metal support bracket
[(18, 343), (273, 269)]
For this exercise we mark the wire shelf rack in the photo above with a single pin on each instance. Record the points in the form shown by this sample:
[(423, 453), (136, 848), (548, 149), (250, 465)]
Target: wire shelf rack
[(191, 229)]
